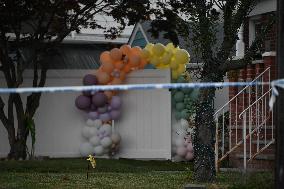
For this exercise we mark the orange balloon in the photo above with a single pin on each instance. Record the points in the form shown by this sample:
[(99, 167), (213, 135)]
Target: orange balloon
[(103, 77), (125, 49), (105, 57), (122, 75), (134, 60), (107, 67), (136, 50), (142, 64), (116, 81), (116, 54), (127, 68), (119, 65)]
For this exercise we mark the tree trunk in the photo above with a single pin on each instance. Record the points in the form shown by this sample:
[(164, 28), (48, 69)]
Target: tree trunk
[(18, 149), (204, 163)]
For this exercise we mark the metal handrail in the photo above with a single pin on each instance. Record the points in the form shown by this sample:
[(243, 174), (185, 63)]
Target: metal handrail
[(261, 74), (240, 115)]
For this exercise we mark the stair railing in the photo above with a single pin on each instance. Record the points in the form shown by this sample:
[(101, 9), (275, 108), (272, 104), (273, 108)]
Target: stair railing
[(258, 119), (234, 106)]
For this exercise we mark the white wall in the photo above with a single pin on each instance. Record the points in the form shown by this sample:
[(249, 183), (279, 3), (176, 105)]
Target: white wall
[(145, 125)]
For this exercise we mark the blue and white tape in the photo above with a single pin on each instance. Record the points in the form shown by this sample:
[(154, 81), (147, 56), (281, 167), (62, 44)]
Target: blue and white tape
[(128, 87)]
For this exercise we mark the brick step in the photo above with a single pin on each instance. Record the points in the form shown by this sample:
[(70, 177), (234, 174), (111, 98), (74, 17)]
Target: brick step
[(261, 161), (240, 127), (269, 157)]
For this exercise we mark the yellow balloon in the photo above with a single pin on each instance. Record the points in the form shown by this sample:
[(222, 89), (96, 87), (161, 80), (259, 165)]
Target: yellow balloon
[(158, 49), (149, 46), (182, 56), (181, 69), (155, 60), (166, 58), (174, 74), (174, 65), (145, 54), (170, 47)]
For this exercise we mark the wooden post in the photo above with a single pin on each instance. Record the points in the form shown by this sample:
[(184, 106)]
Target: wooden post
[(279, 166)]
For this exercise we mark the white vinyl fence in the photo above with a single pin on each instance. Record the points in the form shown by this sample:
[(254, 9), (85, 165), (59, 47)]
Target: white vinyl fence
[(145, 125)]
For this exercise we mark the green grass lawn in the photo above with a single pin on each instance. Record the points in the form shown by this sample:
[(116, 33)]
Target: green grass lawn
[(71, 173)]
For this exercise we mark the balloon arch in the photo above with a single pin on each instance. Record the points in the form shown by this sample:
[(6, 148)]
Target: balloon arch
[(103, 107)]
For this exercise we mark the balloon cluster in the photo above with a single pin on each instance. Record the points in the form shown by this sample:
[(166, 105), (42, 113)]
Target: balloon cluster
[(100, 140), (167, 56), (182, 148), (183, 100), (115, 64), (99, 106), (104, 106)]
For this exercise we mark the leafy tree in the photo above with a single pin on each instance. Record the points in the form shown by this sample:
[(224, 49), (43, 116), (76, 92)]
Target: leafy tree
[(200, 18), (29, 31)]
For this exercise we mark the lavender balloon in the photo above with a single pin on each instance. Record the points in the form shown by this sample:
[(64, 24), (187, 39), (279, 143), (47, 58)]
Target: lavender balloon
[(115, 114), (93, 115), (115, 102), (90, 79), (82, 102), (99, 99), (102, 110), (105, 117)]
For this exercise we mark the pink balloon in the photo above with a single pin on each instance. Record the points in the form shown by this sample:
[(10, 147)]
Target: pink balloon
[(189, 156), (181, 151), (189, 147)]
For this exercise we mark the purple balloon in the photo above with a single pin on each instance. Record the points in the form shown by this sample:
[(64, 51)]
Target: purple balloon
[(115, 102), (115, 114), (90, 79), (93, 107), (87, 93), (105, 117), (93, 115), (99, 99), (102, 110), (82, 102)]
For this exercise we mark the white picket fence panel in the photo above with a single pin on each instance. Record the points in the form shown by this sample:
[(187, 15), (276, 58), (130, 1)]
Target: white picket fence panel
[(145, 125)]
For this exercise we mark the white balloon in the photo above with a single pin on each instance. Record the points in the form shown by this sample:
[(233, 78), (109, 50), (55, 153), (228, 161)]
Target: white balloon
[(98, 123), (90, 122), (106, 142), (93, 131), (115, 137), (106, 150), (181, 151), (179, 142), (105, 129), (86, 132), (184, 124), (98, 150), (86, 149), (95, 141)]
